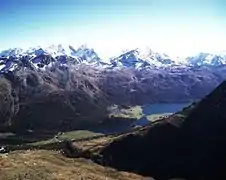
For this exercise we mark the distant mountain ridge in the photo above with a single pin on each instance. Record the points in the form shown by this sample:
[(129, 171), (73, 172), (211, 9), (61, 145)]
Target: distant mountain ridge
[(39, 57), (136, 58)]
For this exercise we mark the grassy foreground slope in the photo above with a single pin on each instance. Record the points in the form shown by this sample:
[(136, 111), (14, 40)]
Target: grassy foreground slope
[(51, 165)]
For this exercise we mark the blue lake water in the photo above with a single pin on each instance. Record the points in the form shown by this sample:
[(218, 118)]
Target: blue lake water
[(148, 109), (159, 108)]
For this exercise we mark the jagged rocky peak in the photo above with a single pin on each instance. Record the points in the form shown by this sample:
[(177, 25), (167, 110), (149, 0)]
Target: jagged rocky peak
[(39, 57), (87, 54), (138, 58), (207, 59), (53, 50), (12, 52)]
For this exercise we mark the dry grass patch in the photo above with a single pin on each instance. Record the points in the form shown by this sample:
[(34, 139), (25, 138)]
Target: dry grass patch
[(51, 165)]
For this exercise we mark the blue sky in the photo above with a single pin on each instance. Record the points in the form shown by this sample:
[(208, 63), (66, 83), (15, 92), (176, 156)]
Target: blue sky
[(177, 27)]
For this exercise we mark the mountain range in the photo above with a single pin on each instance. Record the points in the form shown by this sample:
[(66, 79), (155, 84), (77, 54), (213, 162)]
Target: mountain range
[(133, 77), (139, 59)]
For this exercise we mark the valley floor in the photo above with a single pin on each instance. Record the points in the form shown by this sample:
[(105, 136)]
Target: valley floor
[(49, 164)]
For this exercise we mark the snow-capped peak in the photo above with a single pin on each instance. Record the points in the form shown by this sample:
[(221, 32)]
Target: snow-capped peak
[(12, 52), (207, 59), (53, 50), (83, 52), (137, 58), (40, 57)]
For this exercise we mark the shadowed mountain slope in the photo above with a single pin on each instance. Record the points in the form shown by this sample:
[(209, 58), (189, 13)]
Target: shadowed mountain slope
[(190, 144), (57, 98)]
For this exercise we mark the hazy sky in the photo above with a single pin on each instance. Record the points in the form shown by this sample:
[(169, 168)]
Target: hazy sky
[(177, 27)]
